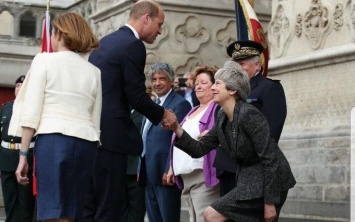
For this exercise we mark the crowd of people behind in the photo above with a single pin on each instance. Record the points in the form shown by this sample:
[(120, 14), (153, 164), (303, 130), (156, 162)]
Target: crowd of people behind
[(105, 149)]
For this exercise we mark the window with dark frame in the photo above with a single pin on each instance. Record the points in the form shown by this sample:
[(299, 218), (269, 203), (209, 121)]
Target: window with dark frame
[(28, 25)]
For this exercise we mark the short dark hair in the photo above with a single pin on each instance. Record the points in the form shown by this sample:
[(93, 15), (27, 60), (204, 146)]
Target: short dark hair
[(20, 79)]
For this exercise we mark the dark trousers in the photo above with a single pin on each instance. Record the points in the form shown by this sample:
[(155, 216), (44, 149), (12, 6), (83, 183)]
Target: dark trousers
[(133, 209), (18, 199), (163, 203), (104, 199)]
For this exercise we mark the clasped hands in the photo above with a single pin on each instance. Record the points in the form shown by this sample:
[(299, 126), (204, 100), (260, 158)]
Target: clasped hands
[(169, 120)]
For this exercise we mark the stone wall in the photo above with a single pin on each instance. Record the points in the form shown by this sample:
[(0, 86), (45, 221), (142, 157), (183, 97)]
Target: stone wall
[(313, 54)]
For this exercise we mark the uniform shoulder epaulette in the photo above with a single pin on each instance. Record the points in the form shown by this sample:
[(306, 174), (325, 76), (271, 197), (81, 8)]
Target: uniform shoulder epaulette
[(273, 79)]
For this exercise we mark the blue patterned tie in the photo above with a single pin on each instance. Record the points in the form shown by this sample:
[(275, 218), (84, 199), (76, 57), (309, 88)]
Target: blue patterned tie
[(145, 130)]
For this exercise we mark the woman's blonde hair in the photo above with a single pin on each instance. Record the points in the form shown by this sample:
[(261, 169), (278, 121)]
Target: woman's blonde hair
[(76, 32)]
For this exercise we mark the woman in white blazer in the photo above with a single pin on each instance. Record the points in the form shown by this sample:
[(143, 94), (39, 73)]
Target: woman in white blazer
[(60, 102)]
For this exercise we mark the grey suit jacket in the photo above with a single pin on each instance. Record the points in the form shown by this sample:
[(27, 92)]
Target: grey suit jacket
[(263, 170)]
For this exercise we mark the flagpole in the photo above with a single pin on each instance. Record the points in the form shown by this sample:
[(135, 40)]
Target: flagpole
[(48, 36), (237, 21)]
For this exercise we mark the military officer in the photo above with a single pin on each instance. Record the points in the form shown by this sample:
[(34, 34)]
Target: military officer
[(266, 94), (18, 199)]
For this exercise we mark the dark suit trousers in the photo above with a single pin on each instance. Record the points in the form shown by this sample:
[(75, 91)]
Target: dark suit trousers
[(163, 203), (133, 209), (104, 200), (18, 199)]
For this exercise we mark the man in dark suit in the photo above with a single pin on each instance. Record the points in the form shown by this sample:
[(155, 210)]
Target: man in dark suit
[(162, 199), (266, 94), (18, 199), (189, 93), (121, 58), (133, 198)]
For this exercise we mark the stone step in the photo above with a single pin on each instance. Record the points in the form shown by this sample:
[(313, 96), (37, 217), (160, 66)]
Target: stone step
[(184, 216)]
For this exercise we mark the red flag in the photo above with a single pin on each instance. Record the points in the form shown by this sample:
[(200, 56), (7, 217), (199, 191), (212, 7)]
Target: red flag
[(249, 28), (46, 37), (34, 179)]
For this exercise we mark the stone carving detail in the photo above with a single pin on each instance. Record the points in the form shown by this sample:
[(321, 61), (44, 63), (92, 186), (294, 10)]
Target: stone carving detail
[(88, 9), (111, 25), (227, 34), (100, 4), (280, 31), (350, 17), (316, 23), (160, 38), (190, 64), (151, 59), (107, 26), (191, 34), (298, 26), (82, 11), (338, 16)]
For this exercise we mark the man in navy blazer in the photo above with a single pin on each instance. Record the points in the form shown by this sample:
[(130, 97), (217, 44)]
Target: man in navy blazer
[(266, 94), (162, 199), (121, 58)]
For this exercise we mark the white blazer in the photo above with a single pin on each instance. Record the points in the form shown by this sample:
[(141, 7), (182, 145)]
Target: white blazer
[(61, 94)]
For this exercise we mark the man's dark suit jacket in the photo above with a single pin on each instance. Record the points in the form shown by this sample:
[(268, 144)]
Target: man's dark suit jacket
[(263, 170), (121, 59), (158, 141), (195, 101), (267, 96)]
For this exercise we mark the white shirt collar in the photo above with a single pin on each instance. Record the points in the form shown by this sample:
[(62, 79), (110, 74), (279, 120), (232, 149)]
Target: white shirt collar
[(163, 98), (133, 30)]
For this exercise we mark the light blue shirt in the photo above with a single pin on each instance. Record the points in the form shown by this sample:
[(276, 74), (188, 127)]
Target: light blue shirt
[(188, 97)]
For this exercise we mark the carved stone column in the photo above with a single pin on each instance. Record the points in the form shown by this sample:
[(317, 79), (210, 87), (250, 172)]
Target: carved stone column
[(313, 54)]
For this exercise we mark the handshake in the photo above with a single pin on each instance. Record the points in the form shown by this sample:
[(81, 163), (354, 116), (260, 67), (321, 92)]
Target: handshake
[(170, 121)]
